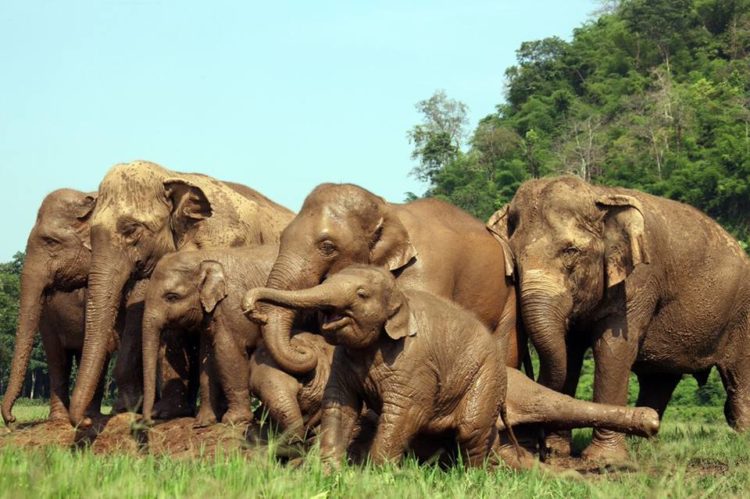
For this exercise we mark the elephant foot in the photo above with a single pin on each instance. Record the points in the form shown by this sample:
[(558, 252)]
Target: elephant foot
[(559, 444), (611, 451), (237, 416), (59, 416), (516, 458), (204, 421)]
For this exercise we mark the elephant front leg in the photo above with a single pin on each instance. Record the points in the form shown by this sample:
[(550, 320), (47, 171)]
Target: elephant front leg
[(210, 390), (655, 390), (397, 426), (341, 410), (177, 359), (560, 442), (231, 368), (615, 350)]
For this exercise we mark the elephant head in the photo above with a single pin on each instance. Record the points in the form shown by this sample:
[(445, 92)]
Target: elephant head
[(338, 225), (141, 215), (57, 259), (357, 305), (181, 292), (572, 242)]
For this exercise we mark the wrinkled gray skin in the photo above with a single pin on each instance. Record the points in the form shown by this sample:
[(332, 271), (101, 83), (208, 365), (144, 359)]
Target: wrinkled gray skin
[(651, 284), (427, 366), (53, 285), (293, 402), (145, 211), (199, 293), (428, 244)]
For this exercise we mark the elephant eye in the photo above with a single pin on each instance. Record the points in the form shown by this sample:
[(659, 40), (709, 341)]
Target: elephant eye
[(362, 293), (571, 251), (131, 231), (51, 242), (171, 297), (327, 248)]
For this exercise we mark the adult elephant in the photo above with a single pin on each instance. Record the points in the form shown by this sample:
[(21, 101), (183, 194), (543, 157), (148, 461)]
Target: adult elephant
[(428, 244), (653, 285), (145, 211), (53, 283)]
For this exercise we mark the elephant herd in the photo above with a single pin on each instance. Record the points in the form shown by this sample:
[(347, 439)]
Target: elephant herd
[(411, 320)]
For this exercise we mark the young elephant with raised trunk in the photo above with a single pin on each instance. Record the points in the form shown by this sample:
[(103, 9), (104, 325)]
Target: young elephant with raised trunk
[(199, 292), (423, 363), (653, 285), (53, 288)]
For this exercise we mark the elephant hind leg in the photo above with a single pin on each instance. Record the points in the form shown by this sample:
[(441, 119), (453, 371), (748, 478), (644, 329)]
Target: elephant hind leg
[(278, 392), (655, 390), (736, 380)]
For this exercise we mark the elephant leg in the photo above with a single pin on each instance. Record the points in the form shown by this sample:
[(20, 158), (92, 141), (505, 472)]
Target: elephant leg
[(278, 391), (560, 442), (530, 402), (615, 350), (397, 426), (341, 411), (735, 376), (231, 368), (476, 430), (655, 390), (59, 362), (128, 371), (176, 358), (210, 390)]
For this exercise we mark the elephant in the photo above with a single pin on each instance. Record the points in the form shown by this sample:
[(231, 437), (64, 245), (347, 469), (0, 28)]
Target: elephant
[(652, 285), (428, 244), (144, 212), (53, 284), (293, 402), (426, 366), (198, 293)]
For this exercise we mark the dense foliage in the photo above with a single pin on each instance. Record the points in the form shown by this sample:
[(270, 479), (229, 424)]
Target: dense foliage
[(652, 94)]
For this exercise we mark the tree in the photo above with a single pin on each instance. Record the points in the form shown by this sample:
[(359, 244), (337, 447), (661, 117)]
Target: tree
[(438, 139)]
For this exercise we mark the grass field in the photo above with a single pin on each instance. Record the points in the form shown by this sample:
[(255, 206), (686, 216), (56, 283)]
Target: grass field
[(696, 455)]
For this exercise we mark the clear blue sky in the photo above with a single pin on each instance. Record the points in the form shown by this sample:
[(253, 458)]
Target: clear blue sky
[(279, 95)]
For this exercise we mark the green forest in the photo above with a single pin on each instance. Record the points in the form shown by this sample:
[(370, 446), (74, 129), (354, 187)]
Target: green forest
[(649, 94)]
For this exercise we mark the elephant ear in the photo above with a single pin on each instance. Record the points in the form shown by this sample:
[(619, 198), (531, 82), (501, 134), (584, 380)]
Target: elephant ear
[(390, 245), (498, 227), (211, 284), (623, 236), (401, 321), (189, 206), (85, 207)]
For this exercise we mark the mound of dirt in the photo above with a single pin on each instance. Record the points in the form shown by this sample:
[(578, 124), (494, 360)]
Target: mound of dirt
[(123, 433)]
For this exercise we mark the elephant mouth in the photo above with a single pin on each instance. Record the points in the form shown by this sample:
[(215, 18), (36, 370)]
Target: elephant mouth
[(333, 320)]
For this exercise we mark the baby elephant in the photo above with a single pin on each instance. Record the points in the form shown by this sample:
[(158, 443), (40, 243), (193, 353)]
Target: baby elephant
[(200, 292), (426, 365)]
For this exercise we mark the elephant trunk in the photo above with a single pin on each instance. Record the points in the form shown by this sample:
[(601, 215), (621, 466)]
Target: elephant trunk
[(32, 298), (107, 278), (291, 356), (152, 328), (323, 295), (546, 306)]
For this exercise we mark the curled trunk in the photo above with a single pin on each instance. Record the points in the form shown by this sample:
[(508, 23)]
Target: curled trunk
[(107, 279), (291, 357), (30, 309)]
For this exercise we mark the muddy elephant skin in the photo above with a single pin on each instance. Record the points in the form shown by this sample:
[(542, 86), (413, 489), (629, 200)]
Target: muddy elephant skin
[(200, 292), (293, 402), (53, 283), (653, 285), (144, 212), (430, 245)]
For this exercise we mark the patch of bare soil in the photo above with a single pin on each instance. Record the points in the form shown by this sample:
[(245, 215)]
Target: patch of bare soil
[(122, 433)]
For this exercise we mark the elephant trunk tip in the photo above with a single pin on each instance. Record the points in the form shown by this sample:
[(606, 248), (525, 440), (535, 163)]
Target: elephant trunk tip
[(650, 422)]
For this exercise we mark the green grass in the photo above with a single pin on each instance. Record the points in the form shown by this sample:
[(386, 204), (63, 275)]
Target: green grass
[(688, 459)]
